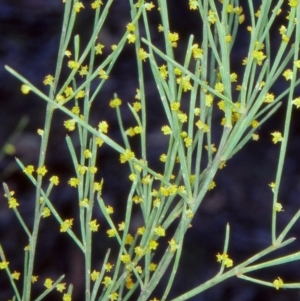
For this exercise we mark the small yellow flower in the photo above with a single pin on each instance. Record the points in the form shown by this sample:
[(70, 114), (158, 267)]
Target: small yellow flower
[(166, 130), (96, 4), (126, 156), (109, 209), (212, 18), (152, 245), (67, 297), (152, 266), (131, 38), (48, 80), (185, 83), (93, 225), (94, 275), (25, 89), (108, 266), (173, 245), (3, 265), (277, 137), (42, 170), (149, 6), (142, 54), (296, 102), (193, 4), (173, 38), (107, 281), (129, 239), (139, 251), (28, 170), (111, 232), (70, 124), (116, 102), (66, 225), (288, 74), (278, 283), (78, 6), (160, 231), (103, 127), (48, 283), (98, 48), (68, 53), (54, 180), (16, 275), (61, 287), (74, 182), (113, 296), (121, 226), (80, 94), (45, 212), (278, 207), (73, 64), (125, 258)]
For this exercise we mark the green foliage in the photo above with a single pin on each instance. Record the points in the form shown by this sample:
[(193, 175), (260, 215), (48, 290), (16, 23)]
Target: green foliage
[(193, 92)]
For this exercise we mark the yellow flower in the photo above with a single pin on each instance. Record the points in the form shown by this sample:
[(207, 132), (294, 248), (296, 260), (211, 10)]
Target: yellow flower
[(98, 48), (152, 245), (113, 296), (93, 225), (96, 4), (25, 89), (3, 265), (259, 56), (193, 4), (94, 275), (173, 38), (160, 231), (288, 74), (67, 297), (107, 281), (129, 239), (61, 287), (116, 102), (212, 17), (73, 64), (42, 170), (66, 225), (296, 102), (131, 38), (278, 283), (48, 283), (130, 27), (74, 182), (54, 180), (111, 232), (110, 209), (108, 266), (48, 80), (78, 6), (16, 275), (28, 170), (45, 212), (142, 54), (278, 207), (103, 127), (126, 156), (70, 124), (277, 137), (173, 245), (184, 81), (125, 258), (166, 130)]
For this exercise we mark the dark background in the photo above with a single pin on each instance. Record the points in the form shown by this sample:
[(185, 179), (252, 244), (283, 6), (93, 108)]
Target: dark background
[(29, 37)]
